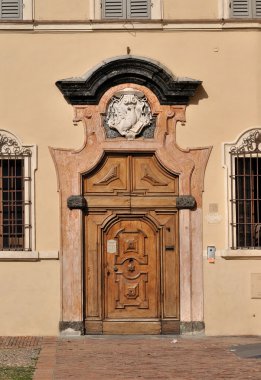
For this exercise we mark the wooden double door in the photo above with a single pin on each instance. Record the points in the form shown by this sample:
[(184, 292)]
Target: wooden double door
[(131, 247)]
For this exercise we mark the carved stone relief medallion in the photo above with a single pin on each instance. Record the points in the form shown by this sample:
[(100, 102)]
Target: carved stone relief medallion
[(128, 113)]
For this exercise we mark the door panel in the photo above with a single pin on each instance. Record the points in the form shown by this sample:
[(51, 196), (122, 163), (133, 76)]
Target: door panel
[(131, 267), (149, 177), (131, 285), (152, 202), (111, 178), (131, 174), (170, 268)]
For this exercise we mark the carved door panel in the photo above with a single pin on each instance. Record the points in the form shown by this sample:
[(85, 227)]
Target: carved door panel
[(110, 178), (149, 178), (151, 185), (131, 266), (131, 270)]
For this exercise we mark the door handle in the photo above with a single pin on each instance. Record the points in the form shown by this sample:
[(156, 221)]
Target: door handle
[(115, 268)]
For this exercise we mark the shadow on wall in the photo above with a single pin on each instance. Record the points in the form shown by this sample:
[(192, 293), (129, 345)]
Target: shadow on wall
[(199, 95)]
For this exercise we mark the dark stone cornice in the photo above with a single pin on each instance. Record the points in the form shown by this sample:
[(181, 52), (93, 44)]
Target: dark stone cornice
[(89, 88)]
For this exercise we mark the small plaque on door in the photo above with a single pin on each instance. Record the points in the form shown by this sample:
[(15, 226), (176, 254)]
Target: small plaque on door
[(111, 246)]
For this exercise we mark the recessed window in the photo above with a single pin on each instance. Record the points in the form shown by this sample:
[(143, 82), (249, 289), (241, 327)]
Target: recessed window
[(12, 207), (16, 194), (245, 8), (245, 164), (126, 9)]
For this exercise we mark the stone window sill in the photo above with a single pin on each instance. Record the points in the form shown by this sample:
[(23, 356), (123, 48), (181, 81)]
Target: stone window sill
[(241, 254), (28, 256)]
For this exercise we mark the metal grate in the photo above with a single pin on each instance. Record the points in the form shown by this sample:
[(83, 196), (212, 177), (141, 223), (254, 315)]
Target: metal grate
[(246, 193), (15, 195)]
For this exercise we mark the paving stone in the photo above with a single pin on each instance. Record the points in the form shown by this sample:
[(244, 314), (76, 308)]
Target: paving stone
[(146, 358)]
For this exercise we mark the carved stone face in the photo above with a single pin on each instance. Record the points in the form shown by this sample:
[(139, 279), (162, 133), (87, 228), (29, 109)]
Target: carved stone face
[(128, 113)]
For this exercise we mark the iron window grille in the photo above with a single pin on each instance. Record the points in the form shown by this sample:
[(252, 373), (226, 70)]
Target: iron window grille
[(15, 195), (245, 163)]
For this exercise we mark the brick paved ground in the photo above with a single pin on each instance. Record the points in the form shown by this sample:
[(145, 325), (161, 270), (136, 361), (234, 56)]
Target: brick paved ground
[(151, 357), (18, 352), (20, 341)]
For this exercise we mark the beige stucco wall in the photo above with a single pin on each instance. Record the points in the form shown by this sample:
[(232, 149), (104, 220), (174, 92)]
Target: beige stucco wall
[(61, 10), (190, 9), (35, 110), (30, 298), (85, 9), (229, 309)]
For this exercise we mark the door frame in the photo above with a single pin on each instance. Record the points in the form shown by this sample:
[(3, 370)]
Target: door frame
[(188, 164)]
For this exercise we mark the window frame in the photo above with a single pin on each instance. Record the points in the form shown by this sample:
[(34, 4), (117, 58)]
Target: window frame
[(156, 12), (12, 148), (237, 144), (126, 11)]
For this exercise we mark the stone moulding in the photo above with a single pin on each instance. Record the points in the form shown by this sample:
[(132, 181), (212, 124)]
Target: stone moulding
[(89, 88)]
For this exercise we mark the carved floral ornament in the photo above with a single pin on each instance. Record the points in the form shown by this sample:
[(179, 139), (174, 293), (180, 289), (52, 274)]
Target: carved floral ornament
[(128, 112)]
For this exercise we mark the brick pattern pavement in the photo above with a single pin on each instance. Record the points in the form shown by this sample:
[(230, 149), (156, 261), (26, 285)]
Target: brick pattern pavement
[(46, 363), (20, 341), (151, 357), (18, 352)]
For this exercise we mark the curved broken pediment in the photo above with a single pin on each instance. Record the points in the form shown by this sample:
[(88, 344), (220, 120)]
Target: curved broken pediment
[(89, 88)]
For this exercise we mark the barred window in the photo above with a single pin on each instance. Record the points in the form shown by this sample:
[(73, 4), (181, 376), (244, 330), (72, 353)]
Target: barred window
[(15, 194), (245, 163)]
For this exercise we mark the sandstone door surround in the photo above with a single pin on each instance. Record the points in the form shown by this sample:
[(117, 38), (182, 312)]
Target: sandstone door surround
[(145, 101)]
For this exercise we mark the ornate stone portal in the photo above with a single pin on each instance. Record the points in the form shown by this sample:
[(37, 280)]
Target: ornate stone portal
[(152, 92)]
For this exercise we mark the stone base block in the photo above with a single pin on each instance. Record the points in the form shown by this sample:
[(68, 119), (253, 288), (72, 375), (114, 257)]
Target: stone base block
[(195, 327), (71, 328)]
